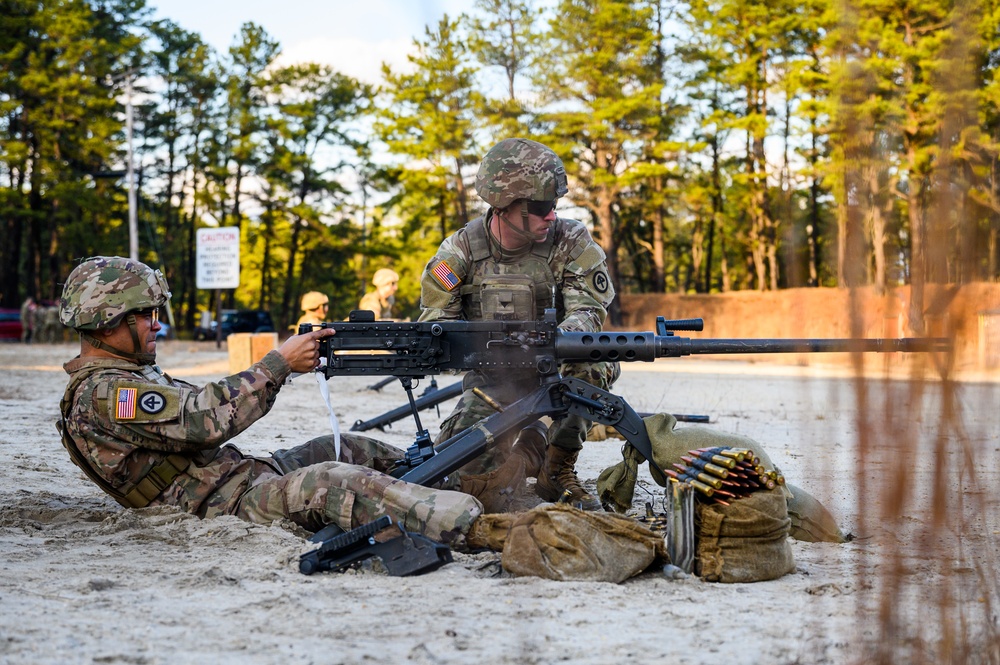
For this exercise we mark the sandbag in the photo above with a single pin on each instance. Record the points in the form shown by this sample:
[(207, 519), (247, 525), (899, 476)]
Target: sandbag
[(670, 442), (811, 521), (559, 542), (746, 541)]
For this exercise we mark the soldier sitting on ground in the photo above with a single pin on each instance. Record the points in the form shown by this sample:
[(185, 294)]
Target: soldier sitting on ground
[(148, 439)]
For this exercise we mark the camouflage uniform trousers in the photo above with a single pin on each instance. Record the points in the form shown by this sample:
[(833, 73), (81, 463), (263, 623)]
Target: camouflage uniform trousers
[(315, 491), (568, 433)]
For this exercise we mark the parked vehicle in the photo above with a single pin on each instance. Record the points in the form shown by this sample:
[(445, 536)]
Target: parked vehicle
[(10, 324), (237, 321)]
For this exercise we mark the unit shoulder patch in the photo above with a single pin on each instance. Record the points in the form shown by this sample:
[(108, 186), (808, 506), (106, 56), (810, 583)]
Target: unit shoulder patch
[(601, 282), (141, 402)]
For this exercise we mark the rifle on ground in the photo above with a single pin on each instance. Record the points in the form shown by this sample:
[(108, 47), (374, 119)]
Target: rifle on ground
[(406, 554), (430, 398), (379, 385), (408, 350)]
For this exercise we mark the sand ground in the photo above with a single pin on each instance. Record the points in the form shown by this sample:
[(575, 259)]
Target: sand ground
[(84, 581)]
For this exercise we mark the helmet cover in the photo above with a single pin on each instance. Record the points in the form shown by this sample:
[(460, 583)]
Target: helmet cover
[(103, 289), (520, 169)]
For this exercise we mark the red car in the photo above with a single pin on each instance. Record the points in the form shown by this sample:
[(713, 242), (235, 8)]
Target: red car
[(10, 324)]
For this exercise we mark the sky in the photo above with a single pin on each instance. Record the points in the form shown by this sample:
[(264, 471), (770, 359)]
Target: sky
[(353, 36)]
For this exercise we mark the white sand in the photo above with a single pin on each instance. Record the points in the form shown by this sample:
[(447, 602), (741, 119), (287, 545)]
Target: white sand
[(85, 581)]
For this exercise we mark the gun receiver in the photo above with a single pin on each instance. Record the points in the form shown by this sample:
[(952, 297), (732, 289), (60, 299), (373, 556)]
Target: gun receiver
[(418, 349)]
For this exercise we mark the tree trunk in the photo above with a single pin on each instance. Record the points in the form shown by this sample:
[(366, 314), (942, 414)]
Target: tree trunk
[(812, 230), (604, 209), (659, 276), (918, 266), (716, 212), (290, 281), (460, 194)]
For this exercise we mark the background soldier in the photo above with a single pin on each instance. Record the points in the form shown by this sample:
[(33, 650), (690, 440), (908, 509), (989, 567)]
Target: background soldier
[(314, 307), (381, 300), (148, 439), (46, 328), (512, 263), (28, 308)]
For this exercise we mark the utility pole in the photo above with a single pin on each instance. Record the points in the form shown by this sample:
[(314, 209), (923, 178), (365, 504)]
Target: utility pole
[(133, 219)]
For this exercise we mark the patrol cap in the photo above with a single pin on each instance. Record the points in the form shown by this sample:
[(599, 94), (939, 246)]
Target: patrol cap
[(384, 276), (103, 289), (313, 300), (520, 169)]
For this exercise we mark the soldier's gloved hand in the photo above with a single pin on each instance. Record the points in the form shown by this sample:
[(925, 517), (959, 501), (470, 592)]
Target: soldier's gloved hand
[(302, 351)]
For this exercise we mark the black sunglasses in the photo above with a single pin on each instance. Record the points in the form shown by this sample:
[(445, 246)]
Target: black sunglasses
[(151, 313), (541, 208)]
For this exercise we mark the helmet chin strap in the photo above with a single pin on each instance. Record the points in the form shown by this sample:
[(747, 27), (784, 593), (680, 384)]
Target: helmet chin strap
[(522, 231), (137, 355)]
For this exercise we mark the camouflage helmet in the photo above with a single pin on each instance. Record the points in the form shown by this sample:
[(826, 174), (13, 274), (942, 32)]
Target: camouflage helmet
[(520, 169), (313, 300), (103, 289)]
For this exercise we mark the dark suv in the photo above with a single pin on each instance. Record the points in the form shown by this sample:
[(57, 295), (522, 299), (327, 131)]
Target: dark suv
[(239, 321)]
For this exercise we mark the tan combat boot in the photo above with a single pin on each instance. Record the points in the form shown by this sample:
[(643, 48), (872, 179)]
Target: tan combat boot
[(496, 489), (530, 444), (558, 476)]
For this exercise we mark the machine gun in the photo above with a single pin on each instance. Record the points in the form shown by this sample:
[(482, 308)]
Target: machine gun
[(411, 350)]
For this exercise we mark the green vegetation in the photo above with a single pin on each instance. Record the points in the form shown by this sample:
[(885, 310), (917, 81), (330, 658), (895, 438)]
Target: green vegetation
[(712, 145)]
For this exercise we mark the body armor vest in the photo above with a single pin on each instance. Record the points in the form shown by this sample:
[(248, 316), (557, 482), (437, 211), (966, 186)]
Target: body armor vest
[(141, 493), (519, 290)]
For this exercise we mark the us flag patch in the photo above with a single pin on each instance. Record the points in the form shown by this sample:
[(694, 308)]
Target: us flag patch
[(125, 407), (445, 275)]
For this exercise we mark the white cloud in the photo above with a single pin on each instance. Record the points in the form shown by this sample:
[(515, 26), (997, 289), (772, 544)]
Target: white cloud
[(354, 37), (357, 57)]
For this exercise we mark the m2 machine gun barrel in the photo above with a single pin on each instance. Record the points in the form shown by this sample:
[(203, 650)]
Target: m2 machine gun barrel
[(629, 346)]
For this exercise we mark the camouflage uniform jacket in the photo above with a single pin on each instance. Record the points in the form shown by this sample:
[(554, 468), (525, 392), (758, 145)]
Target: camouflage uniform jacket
[(568, 260), (372, 302), (125, 421)]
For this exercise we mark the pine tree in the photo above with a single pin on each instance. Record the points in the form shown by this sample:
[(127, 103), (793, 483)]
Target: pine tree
[(604, 94), (309, 121), (506, 38), (428, 118), (189, 77), (63, 64)]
